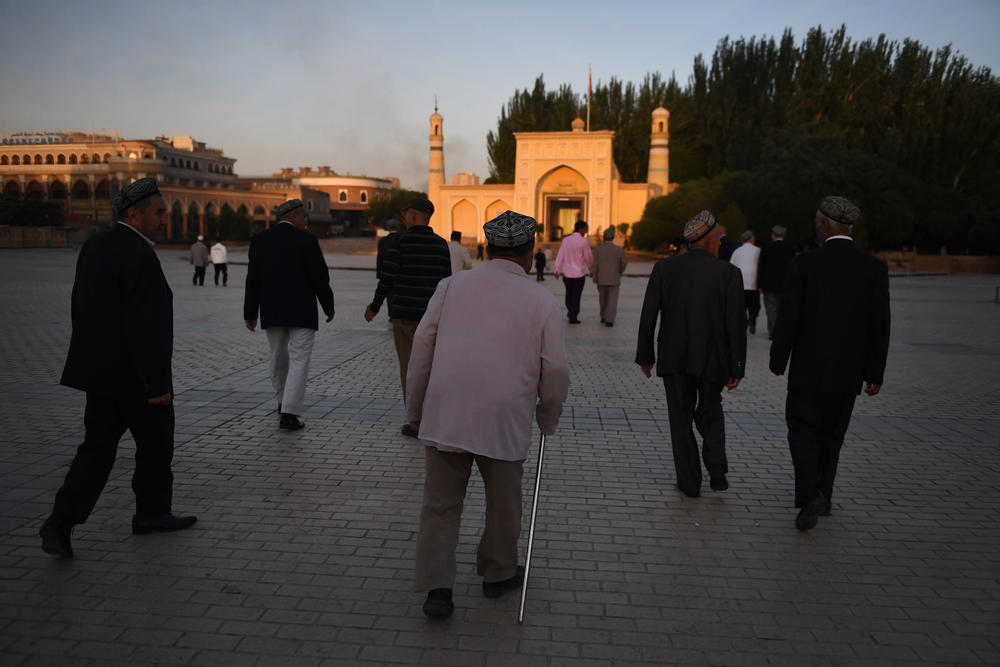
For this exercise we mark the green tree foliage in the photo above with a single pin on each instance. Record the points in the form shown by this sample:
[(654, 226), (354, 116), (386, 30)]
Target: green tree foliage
[(384, 207), (913, 135)]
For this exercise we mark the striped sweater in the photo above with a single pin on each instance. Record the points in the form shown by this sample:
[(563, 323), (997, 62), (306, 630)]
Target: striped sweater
[(411, 269)]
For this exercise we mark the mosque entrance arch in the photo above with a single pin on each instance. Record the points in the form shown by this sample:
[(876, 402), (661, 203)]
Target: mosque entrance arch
[(563, 195)]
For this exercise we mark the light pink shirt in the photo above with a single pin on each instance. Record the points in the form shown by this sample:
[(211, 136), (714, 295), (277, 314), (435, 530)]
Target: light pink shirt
[(575, 258), (487, 356)]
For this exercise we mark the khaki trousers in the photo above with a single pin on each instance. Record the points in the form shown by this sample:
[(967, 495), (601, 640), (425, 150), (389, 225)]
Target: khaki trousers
[(607, 296), (402, 335), (446, 478), (291, 348)]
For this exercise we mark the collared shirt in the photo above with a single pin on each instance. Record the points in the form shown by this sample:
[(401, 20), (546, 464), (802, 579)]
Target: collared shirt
[(146, 238), (839, 236), (575, 259)]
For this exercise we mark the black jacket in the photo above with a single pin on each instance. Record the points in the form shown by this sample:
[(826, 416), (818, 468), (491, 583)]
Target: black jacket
[(285, 277), (773, 264), (411, 269), (699, 301), (834, 320), (123, 319)]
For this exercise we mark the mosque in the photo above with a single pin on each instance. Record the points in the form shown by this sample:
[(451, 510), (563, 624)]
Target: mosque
[(559, 178)]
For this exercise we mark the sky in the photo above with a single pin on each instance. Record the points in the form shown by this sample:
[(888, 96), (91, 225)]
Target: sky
[(293, 83)]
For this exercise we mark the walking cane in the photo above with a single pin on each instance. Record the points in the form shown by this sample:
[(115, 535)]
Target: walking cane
[(531, 530)]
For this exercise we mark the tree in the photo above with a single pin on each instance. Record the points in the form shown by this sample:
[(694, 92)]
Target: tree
[(385, 206)]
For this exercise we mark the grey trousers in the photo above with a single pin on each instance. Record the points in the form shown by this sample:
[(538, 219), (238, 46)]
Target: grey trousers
[(771, 302), (445, 482), (402, 335), (291, 348), (607, 296)]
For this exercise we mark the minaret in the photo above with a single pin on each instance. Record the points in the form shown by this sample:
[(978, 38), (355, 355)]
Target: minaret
[(659, 153), (435, 164)]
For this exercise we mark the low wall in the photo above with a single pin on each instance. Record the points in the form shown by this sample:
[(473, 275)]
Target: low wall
[(33, 237), (911, 262)]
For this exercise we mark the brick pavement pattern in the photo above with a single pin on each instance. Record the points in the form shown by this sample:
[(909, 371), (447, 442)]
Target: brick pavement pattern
[(303, 551)]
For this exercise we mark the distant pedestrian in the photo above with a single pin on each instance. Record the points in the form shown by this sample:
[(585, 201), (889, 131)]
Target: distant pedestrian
[(575, 261), (488, 357), (771, 269), (726, 248), (411, 269), (834, 323), (702, 346), (479, 251), (609, 265), (745, 259), (200, 259), (460, 258), (120, 354), (220, 262), (540, 260), (286, 276)]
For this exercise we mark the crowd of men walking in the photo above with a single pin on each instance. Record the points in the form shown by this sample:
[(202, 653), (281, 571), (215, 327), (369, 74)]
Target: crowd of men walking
[(481, 354)]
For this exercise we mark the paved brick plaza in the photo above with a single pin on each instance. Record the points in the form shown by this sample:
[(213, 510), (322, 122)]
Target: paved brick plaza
[(303, 551)]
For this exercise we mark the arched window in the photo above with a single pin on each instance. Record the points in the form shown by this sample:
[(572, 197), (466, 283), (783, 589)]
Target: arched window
[(84, 159), (50, 159), (34, 190), (81, 190), (173, 162), (661, 127), (3, 159), (187, 165), (107, 156), (342, 196), (60, 159), (11, 189), (196, 165), (72, 158), (26, 159), (96, 159), (38, 159), (15, 160), (435, 129), (364, 197), (103, 190), (58, 190)]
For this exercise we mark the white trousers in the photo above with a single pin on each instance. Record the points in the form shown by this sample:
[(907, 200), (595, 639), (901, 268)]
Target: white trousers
[(291, 348)]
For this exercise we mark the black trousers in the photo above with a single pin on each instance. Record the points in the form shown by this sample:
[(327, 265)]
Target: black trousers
[(816, 427), (224, 270), (199, 276), (106, 419), (692, 400), (539, 272), (574, 288), (752, 299)]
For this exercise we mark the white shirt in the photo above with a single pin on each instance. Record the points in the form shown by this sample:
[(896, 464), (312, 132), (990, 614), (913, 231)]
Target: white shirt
[(219, 254), (745, 258), (460, 258)]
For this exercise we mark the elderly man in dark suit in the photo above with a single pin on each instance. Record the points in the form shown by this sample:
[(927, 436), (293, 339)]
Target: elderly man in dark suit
[(834, 323), (771, 269), (120, 354), (286, 275), (702, 347)]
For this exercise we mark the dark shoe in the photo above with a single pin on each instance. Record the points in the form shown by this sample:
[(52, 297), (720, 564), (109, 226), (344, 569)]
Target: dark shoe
[(719, 483), (55, 537), (809, 515), (160, 523), (827, 508), (609, 324), (574, 321), (495, 589), (689, 493), (409, 431), (602, 321), (438, 603), (290, 422)]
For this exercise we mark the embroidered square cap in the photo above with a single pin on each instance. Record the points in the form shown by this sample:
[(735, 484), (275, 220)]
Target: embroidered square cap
[(510, 229), (697, 227)]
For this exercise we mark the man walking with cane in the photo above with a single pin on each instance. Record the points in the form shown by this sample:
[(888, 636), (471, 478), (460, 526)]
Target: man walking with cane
[(487, 355)]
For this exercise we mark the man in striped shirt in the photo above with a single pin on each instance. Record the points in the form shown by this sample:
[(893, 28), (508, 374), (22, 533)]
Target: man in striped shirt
[(411, 269)]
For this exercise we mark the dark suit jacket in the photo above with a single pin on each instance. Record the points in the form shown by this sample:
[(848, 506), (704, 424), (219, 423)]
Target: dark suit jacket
[(123, 320), (773, 265), (834, 320), (285, 277), (703, 322)]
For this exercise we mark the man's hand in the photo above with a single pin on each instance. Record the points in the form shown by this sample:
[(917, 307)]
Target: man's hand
[(330, 317), (646, 370), (872, 389), (251, 325), (160, 400), (733, 383), (369, 314)]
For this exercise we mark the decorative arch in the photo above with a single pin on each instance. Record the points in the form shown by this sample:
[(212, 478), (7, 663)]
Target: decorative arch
[(465, 219), (25, 159), (107, 157), (84, 159), (96, 159), (242, 211), (34, 190), (16, 159), (72, 158), (12, 189), (60, 159), (3, 159), (496, 208), (39, 159), (81, 190), (561, 196), (58, 190), (103, 189), (364, 197), (50, 159)]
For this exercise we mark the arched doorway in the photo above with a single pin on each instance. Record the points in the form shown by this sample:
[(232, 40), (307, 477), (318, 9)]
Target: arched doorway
[(465, 219), (562, 200), (194, 221), (59, 192), (12, 190), (34, 190), (176, 221)]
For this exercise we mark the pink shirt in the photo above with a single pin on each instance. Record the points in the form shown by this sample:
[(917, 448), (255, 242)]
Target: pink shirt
[(575, 258)]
